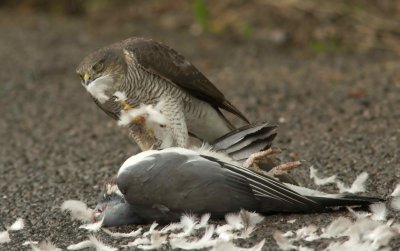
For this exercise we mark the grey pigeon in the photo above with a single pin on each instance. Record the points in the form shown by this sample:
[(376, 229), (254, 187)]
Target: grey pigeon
[(161, 185)]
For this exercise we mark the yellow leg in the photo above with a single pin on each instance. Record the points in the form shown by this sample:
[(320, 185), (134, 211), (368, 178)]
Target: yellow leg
[(140, 120), (150, 132), (125, 106)]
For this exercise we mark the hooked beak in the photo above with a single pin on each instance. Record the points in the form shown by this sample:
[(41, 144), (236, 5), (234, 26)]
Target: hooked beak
[(86, 79)]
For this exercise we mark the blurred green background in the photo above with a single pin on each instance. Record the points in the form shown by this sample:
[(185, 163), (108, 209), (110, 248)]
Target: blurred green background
[(315, 25)]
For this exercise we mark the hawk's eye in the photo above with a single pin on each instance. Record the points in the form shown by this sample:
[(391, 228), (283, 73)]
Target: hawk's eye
[(99, 66)]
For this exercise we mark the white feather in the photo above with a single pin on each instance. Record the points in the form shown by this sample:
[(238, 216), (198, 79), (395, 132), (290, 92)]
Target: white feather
[(204, 242), (154, 120), (251, 218), (113, 188), (321, 181), (44, 246), (234, 220), (137, 242), (246, 232), (27, 243), (283, 242), (224, 245), (156, 241), (226, 236), (396, 191), (121, 96), (171, 227), (288, 234), (203, 221), (396, 227), (337, 227), (98, 88), (395, 204), (358, 185), (359, 228), (379, 211), (155, 114), (151, 230), (92, 242), (224, 231), (78, 210), (307, 233), (188, 223), (390, 222), (80, 245), (17, 225), (301, 248), (125, 117), (100, 246), (380, 236), (357, 214), (93, 227), (133, 233), (4, 237), (363, 234)]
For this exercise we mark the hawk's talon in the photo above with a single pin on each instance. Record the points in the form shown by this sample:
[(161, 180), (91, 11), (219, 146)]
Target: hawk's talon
[(124, 104)]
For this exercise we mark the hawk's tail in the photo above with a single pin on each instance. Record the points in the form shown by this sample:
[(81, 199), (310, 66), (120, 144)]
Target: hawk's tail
[(240, 143)]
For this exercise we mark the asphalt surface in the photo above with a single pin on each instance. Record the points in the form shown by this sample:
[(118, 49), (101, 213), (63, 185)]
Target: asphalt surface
[(340, 112)]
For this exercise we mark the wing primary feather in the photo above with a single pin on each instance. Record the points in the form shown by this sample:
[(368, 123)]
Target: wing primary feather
[(267, 182), (278, 191)]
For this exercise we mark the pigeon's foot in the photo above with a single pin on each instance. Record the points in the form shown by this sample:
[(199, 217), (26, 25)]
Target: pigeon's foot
[(261, 157)]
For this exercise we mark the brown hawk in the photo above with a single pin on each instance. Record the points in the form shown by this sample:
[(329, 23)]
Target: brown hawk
[(135, 72)]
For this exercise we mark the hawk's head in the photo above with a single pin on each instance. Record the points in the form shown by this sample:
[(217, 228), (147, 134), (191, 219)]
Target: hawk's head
[(102, 71)]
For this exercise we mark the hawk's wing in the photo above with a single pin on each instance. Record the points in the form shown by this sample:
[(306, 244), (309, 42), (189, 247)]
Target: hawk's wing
[(165, 62), (106, 110)]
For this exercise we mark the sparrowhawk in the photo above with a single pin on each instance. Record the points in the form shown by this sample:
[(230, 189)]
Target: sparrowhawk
[(146, 72)]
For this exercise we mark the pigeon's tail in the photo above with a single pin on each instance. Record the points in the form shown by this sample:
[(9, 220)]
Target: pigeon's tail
[(316, 201), (240, 143), (344, 200), (317, 204)]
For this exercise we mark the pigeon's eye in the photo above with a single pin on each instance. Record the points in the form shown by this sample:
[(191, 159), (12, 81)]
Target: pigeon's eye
[(98, 67)]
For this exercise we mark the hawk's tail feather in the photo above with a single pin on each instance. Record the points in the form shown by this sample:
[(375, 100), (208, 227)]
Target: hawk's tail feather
[(246, 140)]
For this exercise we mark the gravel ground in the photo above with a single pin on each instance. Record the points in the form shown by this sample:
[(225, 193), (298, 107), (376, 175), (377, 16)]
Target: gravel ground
[(340, 112)]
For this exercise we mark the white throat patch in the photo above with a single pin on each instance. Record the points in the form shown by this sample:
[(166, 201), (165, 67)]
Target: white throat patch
[(98, 87)]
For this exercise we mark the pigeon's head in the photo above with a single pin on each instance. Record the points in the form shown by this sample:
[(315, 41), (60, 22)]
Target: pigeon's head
[(115, 211), (102, 71)]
